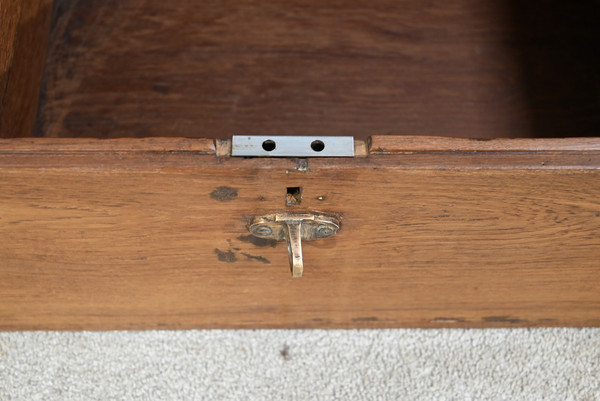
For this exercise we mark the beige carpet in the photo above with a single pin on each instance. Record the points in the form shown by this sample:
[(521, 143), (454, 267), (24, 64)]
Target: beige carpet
[(517, 364)]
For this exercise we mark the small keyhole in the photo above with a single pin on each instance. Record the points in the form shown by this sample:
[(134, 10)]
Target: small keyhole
[(293, 196)]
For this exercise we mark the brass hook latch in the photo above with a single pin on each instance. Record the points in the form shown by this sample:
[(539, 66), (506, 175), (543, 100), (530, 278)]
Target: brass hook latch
[(294, 227)]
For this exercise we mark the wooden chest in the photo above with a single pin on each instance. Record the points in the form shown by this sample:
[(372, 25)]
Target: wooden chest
[(116, 212)]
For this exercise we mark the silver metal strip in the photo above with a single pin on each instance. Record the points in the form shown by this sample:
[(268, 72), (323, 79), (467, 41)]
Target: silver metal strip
[(292, 146)]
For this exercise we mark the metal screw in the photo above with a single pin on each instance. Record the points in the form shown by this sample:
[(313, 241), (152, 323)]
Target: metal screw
[(324, 231), (262, 231)]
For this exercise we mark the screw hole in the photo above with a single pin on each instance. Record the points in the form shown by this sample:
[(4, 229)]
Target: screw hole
[(268, 145), (317, 146)]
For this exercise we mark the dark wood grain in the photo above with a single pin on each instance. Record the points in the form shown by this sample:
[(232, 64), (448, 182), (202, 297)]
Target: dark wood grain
[(560, 68), (24, 32), (10, 11), (216, 68), (102, 239)]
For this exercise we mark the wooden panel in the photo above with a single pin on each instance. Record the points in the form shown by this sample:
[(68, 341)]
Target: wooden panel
[(145, 239), (216, 68), (10, 10), (24, 31), (396, 144), (66, 146)]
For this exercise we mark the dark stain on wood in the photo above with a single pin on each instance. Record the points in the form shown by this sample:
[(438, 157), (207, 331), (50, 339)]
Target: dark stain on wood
[(224, 194), (365, 319), (225, 256), (160, 88), (503, 319), (546, 320), (254, 257), (258, 241)]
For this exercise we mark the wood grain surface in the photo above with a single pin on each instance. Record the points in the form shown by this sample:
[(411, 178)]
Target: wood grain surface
[(10, 11), (395, 144), (24, 32), (463, 68), (149, 239), (37, 146)]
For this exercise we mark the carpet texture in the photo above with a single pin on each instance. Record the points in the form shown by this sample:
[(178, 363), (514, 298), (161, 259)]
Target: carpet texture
[(516, 364)]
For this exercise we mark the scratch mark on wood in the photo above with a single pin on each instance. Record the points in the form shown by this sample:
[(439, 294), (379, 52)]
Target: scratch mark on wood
[(259, 258)]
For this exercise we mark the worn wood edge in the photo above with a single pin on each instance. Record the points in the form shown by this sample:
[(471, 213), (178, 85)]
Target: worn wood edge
[(361, 148), (385, 144), (223, 147), (52, 145), (379, 144), (358, 323), (141, 153)]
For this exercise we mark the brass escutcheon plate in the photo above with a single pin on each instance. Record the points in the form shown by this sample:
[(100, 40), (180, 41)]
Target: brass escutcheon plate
[(294, 227)]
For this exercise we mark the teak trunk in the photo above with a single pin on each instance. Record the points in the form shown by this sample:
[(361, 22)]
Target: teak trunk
[(116, 214)]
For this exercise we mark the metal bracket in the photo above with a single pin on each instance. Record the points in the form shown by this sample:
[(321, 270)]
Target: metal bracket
[(292, 146), (294, 227)]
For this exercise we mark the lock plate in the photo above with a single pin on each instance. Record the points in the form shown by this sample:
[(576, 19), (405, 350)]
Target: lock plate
[(292, 146), (313, 226), (294, 227)]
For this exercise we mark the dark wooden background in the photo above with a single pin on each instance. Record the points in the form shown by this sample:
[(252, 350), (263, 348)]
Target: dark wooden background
[(465, 68)]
